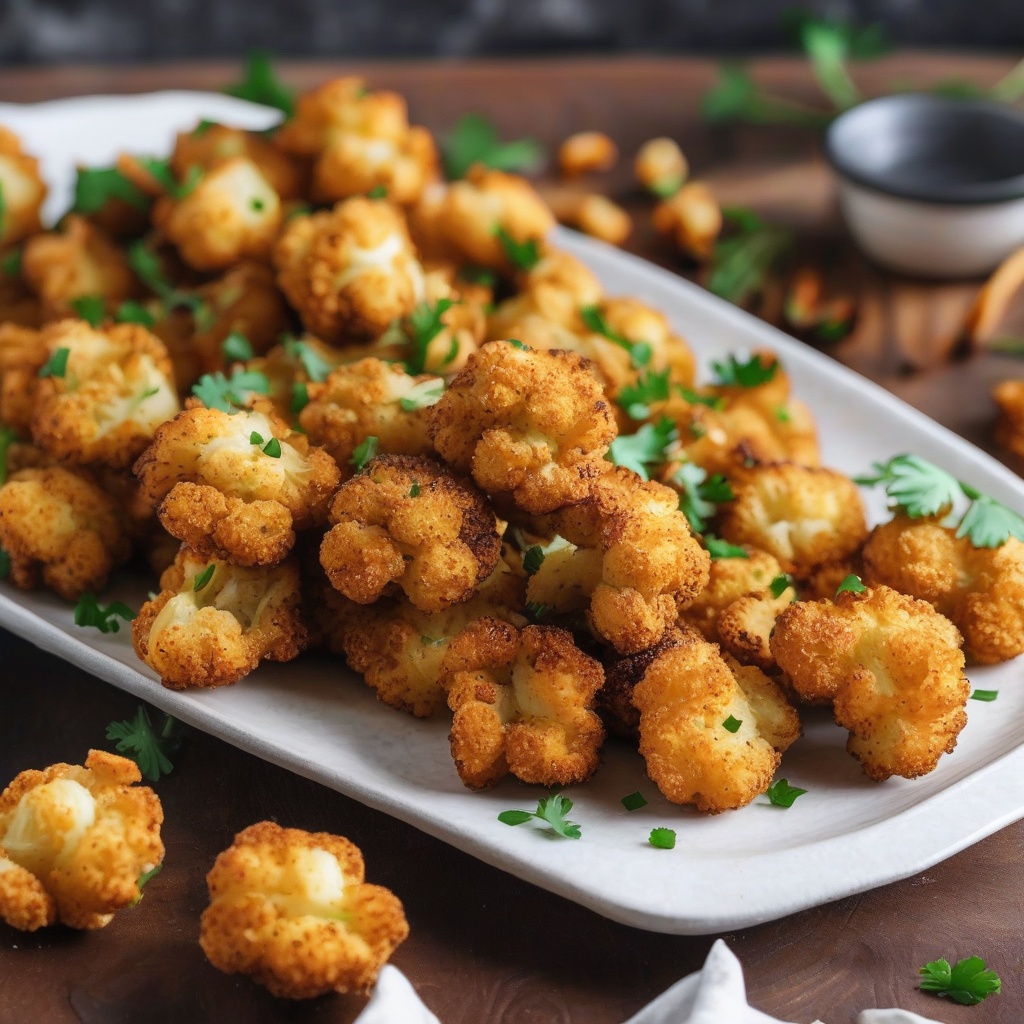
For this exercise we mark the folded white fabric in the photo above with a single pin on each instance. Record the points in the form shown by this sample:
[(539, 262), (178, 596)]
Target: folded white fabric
[(716, 994)]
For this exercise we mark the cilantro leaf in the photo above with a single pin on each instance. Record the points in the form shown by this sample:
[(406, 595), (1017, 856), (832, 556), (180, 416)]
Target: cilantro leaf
[(736, 97), (662, 838), (132, 312), (90, 308), (160, 170), (985, 695), (364, 452), (645, 448), (89, 612), (515, 817), (551, 810), (522, 255), (300, 397), (852, 584), (744, 259), (237, 348), (711, 401), (146, 746), (987, 524), (634, 801), (56, 365), (200, 579), (718, 548), (259, 84), (637, 398), (96, 186), (968, 982), (7, 436), (780, 584), (700, 496), (216, 391), (474, 139), (639, 351), (750, 373), (150, 271), (536, 610), (422, 326), (782, 794), (732, 724), (533, 559), (424, 394), (915, 485), (317, 368)]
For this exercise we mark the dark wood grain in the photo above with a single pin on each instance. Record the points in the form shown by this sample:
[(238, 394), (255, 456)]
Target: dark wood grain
[(485, 946)]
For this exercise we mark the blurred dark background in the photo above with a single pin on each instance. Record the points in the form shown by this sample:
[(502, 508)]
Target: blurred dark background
[(39, 31)]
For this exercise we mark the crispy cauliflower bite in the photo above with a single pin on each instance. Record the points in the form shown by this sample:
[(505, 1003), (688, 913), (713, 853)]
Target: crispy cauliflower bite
[(522, 704), (803, 516), (893, 669), (981, 590), (233, 213), (534, 425), (364, 399), (686, 695), (222, 493), (22, 189), (77, 261), (349, 271), (59, 528), (292, 910), (409, 521), (728, 580), (116, 390), (219, 633), (22, 354), (75, 841), (650, 561)]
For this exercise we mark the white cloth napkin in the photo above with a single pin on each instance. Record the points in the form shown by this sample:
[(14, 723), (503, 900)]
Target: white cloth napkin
[(713, 995)]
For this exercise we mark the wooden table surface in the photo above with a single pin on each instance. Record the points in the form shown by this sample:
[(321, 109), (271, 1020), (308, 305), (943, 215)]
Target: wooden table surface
[(486, 947)]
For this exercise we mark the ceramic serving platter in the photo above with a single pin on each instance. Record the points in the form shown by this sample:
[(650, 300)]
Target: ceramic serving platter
[(736, 869)]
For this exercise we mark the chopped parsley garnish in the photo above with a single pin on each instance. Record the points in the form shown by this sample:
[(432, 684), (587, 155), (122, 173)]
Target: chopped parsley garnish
[(317, 368), (237, 348), (378, 192), (644, 449), (160, 171), (744, 374), (718, 548), (782, 414), (300, 397), (203, 127), (56, 365), (968, 982), (533, 559), (256, 204), (743, 260), (986, 695), (474, 140), (700, 495), (478, 275), (271, 447), (96, 186), (432, 641), (422, 326), (10, 262), (851, 583), (551, 810), (782, 794), (364, 452), (89, 612), (521, 345), (732, 724), (639, 351), (637, 398), (150, 272), (662, 838), (91, 308), (414, 491), (522, 255), (7, 435), (780, 584), (425, 393), (132, 312), (694, 398), (536, 610), (146, 746), (216, 391), (5, 564), (202, 578), (634, 801), (261, 85), (145, 877)]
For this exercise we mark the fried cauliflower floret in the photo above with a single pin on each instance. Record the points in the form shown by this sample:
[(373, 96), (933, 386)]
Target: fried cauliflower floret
[(22, 188), (802, 516), (75, 262), (225, 489), (585, 153), (692, 218), (59, 528), (981, 590), (522, 703), (22, 354), (75, 842), (687, 694), (533, 425), (211, 628), (650, 563), (292, 910), (349, 271), (116, 388), (371, 398), (473, 212), (232, 214), (409, 521), (893, 669), (745, 627)]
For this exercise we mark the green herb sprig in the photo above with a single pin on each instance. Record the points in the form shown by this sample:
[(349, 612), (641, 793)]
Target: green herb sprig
[(89, 612), (474, 139), (552, 811), (146, 746)]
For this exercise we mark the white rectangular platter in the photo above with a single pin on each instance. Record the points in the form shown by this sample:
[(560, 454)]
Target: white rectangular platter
[(845, 836)]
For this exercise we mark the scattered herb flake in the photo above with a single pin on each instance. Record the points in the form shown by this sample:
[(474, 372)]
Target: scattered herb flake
[(474, 140), (421, 327), (5, 564), (145, 877), (718, 548), (522, 255), (700, 495), (260, 84), (272, 448), (364, 452), (782, 794), (985, 695), (516, 343), (694, 398), (378, 192), (56, 365), (96, 186), (10, 262), (634, 801), (237, 348), (852, 583), (552, 810), (750, 373), (202, 578), (132, 312), (7, 436), (533, 559), (300, 397), (147, 747), (414, 491), (424, 394), (639, 351), (536, 610), (645, 448), (780, 584), (89, 612), (216, 391), (968, 982), (650, 386), (732, 724), (662, 838)]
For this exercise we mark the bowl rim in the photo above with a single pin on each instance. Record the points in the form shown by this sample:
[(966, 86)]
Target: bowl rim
[(998, 190)]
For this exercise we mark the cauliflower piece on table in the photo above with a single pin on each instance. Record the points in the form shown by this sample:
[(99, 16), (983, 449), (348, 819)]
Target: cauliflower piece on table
[(106, 396), (893, 669), (75, 843), (236, 486), (233, 213), (292, 910), (981, 590), (212, 623), (532, 425), (22, 188), (59, 528), (522, 703), (349, 271), (686, 696)]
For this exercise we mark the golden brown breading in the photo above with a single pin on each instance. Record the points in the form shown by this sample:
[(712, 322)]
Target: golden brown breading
[(291, 909), (687, 694), (745, 627), (981, 590), (59, 528), (692, 217), (22, 354), (522, 704), (585, 153), (409, 521), (220, 632), (892, 667), (532, 425), (349, 271), (22, 187), (75, 841)]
